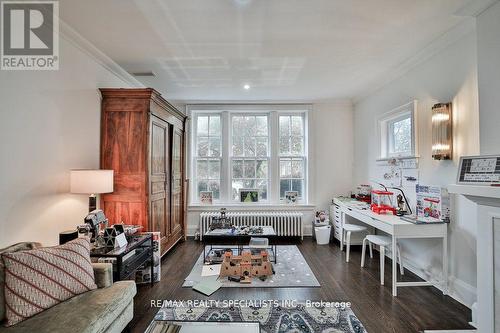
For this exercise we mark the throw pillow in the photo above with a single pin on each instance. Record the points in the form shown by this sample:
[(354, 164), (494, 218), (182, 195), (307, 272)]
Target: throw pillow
[(12, 248), (36, 280)]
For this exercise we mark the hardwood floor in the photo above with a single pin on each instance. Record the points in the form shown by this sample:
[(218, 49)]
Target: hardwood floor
[(414, 310)]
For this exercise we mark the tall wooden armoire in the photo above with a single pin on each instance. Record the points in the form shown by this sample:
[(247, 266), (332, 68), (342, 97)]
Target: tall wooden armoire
[(142, 140)]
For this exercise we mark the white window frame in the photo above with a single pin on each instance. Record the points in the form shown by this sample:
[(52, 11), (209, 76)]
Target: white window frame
[(231, 157), (226, 110), (386, 140), (195, 157), (303, 157)]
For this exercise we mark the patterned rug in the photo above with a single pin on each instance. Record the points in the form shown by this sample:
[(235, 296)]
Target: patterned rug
[(291, 270), (273, 319)]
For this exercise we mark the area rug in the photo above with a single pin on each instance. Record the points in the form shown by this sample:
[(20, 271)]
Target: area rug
[(291, 271), (273, 319)]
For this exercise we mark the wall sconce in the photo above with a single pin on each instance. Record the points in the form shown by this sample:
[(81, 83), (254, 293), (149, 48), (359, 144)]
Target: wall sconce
[(442, 139)]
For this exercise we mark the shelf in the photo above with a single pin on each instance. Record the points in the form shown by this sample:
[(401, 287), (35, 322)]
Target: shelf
[(485, 191)]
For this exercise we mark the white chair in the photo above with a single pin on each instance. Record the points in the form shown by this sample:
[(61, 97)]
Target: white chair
[(382, 242), (347, 229)]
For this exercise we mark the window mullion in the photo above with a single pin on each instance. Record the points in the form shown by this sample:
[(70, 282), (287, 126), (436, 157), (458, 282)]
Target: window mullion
[(225, 185), (274, 165)]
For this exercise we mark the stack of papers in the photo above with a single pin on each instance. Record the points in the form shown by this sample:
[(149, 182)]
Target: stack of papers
[(208, 285), (420, 220), (210, 270)]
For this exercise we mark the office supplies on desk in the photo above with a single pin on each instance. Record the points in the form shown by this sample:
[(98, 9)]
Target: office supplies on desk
[(382, 202), (433, 202), (415, 220)]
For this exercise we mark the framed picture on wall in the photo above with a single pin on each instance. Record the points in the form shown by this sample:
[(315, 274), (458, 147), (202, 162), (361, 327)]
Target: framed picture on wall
[(291, 197), (479, 170), (249, 195), (206, 197)]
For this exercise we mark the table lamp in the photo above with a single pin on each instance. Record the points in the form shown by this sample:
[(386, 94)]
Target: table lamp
[(91, 182)]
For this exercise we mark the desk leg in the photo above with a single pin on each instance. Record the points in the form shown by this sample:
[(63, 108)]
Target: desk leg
[(394, 266), (445, 264)]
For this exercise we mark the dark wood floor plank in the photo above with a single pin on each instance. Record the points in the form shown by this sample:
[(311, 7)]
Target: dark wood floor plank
[(414, 310)]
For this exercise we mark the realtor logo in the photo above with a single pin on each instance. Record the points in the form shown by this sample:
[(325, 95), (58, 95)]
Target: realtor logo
[(30, 35)]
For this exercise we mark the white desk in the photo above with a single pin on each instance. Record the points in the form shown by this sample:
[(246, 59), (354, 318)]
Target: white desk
[(398, 228)]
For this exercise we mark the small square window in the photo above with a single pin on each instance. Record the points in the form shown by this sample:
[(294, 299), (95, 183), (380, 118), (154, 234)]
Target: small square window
[(400, 137), (397, 132)]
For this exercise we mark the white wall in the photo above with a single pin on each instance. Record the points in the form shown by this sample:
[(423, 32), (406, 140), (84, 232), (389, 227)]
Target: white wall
[(330, 156), (488, 50), (449, 75), (49, 124)]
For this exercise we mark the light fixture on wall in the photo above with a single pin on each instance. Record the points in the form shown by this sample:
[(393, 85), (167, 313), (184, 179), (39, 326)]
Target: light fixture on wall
[(91, 182), (442, 127)]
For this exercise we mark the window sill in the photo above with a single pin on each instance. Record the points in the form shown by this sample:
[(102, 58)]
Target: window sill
[(406, 157), (250, 207)]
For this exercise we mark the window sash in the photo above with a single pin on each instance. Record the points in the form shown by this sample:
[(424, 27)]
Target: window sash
[(391, 144)]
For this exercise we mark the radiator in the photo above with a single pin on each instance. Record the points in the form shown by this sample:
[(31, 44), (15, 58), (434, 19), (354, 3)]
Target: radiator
[(284, 223)]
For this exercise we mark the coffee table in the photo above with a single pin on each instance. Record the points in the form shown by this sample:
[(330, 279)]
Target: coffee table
[(205, 327), (218, 237)]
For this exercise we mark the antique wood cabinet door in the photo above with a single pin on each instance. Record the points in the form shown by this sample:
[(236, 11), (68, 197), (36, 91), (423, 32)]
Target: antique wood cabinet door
[(159, 199), (177, 184)]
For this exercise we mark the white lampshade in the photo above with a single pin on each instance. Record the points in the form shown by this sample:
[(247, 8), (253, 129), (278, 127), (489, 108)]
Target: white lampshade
[(91, 181)]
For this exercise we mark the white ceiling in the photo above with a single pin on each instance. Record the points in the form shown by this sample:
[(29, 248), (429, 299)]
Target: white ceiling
[(286, 50)]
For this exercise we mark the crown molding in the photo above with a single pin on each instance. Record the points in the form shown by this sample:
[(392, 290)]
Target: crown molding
[(474, 8), (72, 36), (466, 26)]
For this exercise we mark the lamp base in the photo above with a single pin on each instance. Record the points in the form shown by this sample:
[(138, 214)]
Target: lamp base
[(92, 202)]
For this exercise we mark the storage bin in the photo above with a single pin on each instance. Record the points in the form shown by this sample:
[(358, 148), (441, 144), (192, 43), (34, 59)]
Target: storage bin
[(323, 234)]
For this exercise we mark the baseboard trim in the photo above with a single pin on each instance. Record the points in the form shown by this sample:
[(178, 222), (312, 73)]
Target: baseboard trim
[(458, 289)]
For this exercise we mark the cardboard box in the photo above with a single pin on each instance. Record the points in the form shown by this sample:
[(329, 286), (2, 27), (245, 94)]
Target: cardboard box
[(433, 203)]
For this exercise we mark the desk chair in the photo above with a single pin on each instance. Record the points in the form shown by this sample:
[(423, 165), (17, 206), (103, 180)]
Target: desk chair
[(347, 229), (382, 242)]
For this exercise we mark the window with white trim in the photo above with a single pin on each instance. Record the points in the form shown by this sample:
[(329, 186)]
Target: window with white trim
[(208, 154), (398, 132), (249, 154), (291, 155), (248, 147)]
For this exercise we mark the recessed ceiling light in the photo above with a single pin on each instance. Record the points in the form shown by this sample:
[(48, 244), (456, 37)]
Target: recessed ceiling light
[(246, 86)]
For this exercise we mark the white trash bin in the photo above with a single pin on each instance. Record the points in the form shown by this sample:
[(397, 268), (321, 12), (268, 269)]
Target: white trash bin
[(323, 234)]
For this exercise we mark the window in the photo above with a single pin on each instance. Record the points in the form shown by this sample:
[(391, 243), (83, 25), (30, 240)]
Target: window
[(400, 136), (291, 139), (250, 154), (397, 132), (208, 154), (250, 147)]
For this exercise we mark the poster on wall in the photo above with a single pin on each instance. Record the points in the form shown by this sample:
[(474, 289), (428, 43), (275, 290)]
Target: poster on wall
[(389, 175)]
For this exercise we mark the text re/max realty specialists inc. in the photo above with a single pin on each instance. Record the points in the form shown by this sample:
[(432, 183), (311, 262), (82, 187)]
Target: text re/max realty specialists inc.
[(194, 303)]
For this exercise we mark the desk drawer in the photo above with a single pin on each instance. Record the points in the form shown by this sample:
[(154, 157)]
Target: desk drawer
[(385, 227), (337, 234)]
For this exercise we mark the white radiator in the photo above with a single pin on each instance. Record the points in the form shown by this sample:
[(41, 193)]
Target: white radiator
[(284, 223)]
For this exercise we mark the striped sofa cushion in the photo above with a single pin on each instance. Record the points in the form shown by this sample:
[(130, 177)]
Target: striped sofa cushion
[(36, 280)]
